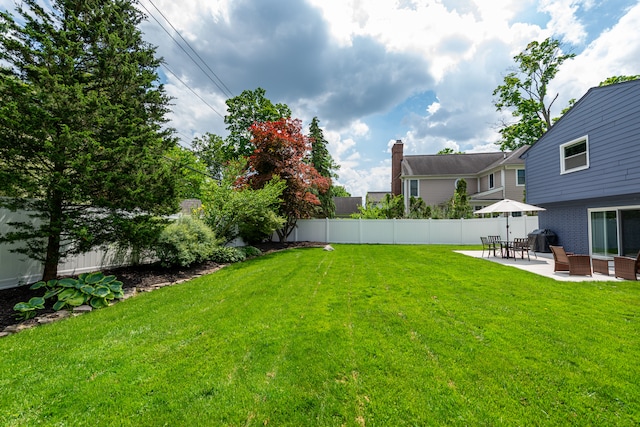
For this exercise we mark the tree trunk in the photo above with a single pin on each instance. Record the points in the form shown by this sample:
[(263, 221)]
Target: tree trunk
[(53, 240)]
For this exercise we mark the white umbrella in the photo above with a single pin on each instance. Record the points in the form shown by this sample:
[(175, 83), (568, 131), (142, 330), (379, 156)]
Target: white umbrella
[(506, 206)]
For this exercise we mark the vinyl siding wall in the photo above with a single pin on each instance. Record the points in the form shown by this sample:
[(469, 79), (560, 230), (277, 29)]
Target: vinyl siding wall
[(610, 118)]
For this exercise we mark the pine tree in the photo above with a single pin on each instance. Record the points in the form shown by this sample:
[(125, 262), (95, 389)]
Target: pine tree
[(323, 162), (82, 143)]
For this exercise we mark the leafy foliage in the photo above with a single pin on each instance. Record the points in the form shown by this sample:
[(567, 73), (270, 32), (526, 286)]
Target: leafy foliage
[(280, 150), (389, 207), (524, 92), (81, 127), (209, 149), (227, 255), (250, 107), (459, 204), (186, 241), (232, 210), (94, 289)]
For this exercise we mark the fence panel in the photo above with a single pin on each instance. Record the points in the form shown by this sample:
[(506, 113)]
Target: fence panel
[(411, 231)]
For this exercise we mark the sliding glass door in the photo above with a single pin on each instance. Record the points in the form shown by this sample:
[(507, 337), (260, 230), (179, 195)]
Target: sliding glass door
[(604, 233)]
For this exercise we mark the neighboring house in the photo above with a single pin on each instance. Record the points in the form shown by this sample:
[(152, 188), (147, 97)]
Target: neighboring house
[(345, 206), (586, 172), (489, 176)]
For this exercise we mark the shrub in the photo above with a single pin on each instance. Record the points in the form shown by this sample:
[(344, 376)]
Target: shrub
[(227, 255), (94, 289), (186, 241), (250, 251)]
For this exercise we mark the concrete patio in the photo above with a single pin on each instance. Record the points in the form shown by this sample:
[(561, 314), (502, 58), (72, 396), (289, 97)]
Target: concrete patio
[(543, 266)]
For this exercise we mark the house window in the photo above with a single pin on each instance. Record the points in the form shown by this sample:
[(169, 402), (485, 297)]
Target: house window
[(491, 181), (520, 177), (604, 233), (413, 188), (574, 155)]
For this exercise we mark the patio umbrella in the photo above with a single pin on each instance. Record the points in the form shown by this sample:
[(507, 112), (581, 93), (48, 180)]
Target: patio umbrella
[(507, 206)]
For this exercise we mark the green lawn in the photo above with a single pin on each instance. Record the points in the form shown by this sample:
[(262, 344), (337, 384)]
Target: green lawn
[(364, 335)]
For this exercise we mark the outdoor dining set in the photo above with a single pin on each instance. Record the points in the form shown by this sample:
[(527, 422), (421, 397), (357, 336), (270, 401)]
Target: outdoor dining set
[(575, 264)]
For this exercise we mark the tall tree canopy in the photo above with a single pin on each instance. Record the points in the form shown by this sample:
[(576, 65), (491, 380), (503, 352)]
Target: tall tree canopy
[(250, 107), (323, 162), (81, 126), (524, 93), (280, 150)]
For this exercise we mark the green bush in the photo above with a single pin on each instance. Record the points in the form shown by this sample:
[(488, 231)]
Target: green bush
[(250, 251), (94, 289), (227, 255), (186, 241)]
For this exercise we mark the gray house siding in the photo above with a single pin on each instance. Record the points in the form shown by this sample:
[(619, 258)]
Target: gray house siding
[(610, 118)]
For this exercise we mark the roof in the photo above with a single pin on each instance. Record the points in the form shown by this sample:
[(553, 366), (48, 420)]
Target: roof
[(458, 164), (347, 205)]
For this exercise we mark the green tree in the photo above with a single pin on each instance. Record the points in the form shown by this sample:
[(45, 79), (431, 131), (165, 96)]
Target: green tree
[(325, 165), (618, 79), (250, 107), (233, 210), (449, 150), (210, 150), (418, 209), (280, 150), (524, 93), (193, 174), (459, 204), (390, 207), (340, 191), (82, 133)]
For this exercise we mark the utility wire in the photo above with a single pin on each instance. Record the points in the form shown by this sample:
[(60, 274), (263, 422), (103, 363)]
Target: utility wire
[(225, 90), (192, 91)]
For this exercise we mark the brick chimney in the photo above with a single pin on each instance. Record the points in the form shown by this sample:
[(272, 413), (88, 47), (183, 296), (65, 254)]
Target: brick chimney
[(396, 167)]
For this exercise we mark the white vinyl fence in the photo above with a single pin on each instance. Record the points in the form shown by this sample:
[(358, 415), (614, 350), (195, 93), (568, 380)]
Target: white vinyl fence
[(411, 231), (16, 269)]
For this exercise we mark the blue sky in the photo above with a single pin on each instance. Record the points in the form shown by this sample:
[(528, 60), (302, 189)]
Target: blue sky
[(374, 71)]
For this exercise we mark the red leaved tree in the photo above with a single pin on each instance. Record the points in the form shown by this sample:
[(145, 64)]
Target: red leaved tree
[(281, 149)]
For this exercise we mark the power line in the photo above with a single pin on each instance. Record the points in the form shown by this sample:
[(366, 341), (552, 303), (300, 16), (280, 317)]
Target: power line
[(192, 91), (223, 87)]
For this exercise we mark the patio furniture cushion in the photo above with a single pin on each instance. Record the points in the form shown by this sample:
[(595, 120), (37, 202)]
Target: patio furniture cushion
[(626, 267)]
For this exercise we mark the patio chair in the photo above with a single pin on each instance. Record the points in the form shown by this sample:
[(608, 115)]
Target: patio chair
[(521, 244), (568, 261), (489, 246), (626, 267)]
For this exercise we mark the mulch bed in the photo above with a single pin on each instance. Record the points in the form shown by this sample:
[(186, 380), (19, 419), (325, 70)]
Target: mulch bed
[(141, 277)]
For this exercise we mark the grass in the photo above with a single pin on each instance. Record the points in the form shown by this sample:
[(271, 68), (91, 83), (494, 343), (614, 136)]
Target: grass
[(365, 335)]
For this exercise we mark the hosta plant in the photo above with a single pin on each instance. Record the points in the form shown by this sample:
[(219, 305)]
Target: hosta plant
[(94, 289)]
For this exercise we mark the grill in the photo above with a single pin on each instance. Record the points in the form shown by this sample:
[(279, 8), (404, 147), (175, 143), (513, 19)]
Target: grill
[(543, 238)]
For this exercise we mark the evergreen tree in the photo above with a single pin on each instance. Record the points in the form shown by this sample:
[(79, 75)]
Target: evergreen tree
[(323, 162), (82, 141)]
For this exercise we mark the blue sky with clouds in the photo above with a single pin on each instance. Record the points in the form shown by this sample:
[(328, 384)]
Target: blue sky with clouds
[(374, 71)]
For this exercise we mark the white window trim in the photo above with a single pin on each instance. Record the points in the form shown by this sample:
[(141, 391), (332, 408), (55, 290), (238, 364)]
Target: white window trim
[(562, 158), (417, 188), (525, 177)]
